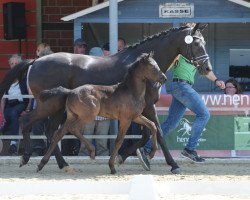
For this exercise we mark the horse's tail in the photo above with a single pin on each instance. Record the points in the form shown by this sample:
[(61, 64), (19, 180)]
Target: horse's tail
[(54, 92), (17, 72)]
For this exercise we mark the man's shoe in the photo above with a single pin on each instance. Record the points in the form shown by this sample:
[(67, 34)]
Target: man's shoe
[(143, 159), (192, 155)]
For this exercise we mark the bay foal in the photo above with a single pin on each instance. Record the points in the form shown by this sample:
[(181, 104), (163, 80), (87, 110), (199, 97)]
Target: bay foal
[(124, 101)]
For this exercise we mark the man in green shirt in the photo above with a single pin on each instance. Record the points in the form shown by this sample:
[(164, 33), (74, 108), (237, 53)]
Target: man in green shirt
[(184, 96)]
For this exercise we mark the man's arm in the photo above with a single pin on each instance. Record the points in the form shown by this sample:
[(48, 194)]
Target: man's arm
[(211, 76)]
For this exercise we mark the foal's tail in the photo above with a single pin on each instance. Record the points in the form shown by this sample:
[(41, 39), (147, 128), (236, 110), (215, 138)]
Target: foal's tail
[(54, 92), (17, 72)]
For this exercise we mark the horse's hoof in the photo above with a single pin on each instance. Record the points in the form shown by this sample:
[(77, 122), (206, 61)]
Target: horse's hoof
[(38, 169), (69, 169), (176, 170), (113, 171), (22, 161)]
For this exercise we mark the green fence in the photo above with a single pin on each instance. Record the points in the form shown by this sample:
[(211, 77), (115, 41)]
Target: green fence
[(242, 133), (223, 132)]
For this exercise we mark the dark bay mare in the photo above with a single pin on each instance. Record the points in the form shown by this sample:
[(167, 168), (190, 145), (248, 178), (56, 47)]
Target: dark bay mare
[(72, 70), (124, 101)]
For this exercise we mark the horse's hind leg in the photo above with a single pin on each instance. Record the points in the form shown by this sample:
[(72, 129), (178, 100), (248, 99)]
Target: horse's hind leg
[(26, 122)]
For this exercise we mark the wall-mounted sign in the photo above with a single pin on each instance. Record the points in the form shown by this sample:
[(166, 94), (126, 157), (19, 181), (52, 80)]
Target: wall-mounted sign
[(176, 10)]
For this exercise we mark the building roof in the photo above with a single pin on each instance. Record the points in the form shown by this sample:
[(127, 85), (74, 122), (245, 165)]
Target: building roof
[(245, 3), (147, 11), (87, 11)]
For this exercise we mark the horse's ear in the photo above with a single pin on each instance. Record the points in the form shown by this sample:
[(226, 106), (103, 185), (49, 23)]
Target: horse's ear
[(195, 28), (202, 26), (198, 26)]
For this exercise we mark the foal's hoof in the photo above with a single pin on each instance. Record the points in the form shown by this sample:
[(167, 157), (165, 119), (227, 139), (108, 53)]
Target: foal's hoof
[(119, 160), (92, 154), (176, 170)]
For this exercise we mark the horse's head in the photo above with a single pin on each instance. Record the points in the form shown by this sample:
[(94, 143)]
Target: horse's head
[(151, 69), (193, 48)]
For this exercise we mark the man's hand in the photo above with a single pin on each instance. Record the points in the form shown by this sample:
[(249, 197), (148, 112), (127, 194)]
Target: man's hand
[(220, 84)]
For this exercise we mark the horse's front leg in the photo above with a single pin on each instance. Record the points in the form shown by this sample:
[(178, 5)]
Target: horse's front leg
[(146, 122), (123, 127), (150, 113), (55, 139)]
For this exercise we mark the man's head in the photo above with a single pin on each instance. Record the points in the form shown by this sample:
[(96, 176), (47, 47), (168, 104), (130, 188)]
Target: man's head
[(14, 60), (43, 49), (121, 44), (80, 46)]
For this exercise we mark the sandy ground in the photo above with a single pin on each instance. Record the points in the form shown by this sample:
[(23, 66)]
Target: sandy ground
[(236, 170)]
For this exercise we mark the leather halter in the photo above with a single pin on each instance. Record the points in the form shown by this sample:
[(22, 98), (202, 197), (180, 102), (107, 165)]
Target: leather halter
[(197, 61)]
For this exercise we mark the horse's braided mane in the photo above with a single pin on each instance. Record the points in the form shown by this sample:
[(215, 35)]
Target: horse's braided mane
[(157, 35), (132, 68)]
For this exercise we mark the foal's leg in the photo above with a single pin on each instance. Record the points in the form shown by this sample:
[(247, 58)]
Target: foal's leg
[(84, 141), (53, 124), (131, 149), (123, 127), (144, 121), (55, 139), (150, 113), (42, 111)]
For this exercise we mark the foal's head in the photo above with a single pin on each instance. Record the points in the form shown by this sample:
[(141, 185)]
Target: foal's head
[(150, 69)]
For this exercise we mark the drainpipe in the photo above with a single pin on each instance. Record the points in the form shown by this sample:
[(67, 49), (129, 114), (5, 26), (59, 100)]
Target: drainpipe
[(113, 26)]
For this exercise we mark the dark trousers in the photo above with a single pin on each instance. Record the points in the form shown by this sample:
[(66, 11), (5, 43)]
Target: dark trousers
[(11, 126), (11, 115)]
